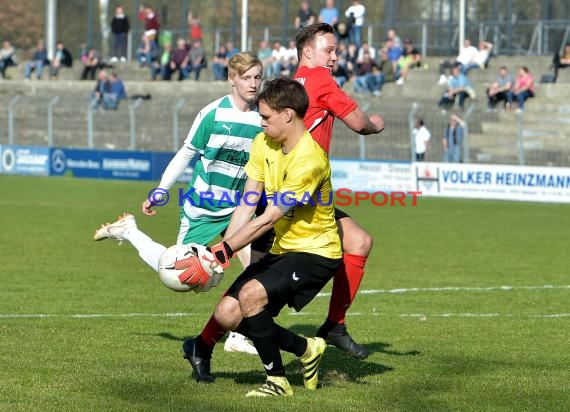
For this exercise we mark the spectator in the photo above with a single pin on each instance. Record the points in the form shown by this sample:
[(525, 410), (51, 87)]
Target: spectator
[(264, 54), (452, 139), (83, 52), (220, 63), (391, 34), (481, 59), (62, 58), (148, 51), (410, 58), (37, 62), (150, 19), (291, 58), (500, 88), (366, 48), (351, 57), (279, 54), (387, 73), (329, 14), (120, 27), (340, 73), (180, 60), (305, 16), (232, 49), (197, 59), (459, 85), (523, 89), (394, 53), (162, 66), (114, 93), (92, 64), (467, 55), (355, 20), (102, 86), (364, 73), (7, 58), (421, 136), (561, 62), (194, 28)]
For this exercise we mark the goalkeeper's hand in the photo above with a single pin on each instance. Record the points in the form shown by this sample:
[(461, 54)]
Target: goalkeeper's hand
[(221, 254)]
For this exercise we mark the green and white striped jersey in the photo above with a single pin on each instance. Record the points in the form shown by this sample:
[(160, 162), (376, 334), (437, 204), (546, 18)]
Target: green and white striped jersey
[(222, 134)]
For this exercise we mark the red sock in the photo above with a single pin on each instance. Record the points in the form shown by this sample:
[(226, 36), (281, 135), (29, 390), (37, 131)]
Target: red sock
[(212, 332), (345, 284)]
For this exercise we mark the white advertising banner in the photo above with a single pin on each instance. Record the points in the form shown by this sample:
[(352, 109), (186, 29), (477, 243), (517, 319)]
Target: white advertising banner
[(480, 181), (369, 176)]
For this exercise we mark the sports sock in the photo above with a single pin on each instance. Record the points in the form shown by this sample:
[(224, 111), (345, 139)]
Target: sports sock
[(148, 249), (212, 332), (345, 284), (263, 333), (291, 342)]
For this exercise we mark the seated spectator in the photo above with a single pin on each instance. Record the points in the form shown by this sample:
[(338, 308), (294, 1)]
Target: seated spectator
[(83, 52), (279, 54), (264, 54), (458, 86), (482, 57), (350, 58), (500, 88), (340, 73), (37, 62), (397, 41), (91, 65), (410, 58), (467, 55), (197, 59), (179, 60), (561, 62), (366, 48), (220, 63), (162, 65), (102, 86), (452, 139), (114, 93), (62, 58), (232, 49), (523, 89), (386, 68), (394, 53), (305, 15), (291, 59), (148, 50), (7, 57), (366, 69)]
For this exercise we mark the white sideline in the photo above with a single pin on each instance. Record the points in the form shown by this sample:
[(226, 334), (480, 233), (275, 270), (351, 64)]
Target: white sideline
[(362, 292)]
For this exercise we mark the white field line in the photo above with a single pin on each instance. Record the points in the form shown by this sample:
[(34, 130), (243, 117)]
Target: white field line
[(363, 292)]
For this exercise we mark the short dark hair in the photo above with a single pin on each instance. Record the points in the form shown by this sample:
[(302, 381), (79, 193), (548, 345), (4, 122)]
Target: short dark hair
[(285, 93), (308, 33)]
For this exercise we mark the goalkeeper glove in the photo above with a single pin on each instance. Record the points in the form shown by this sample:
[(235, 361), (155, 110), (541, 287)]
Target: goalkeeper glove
[(222, 252)]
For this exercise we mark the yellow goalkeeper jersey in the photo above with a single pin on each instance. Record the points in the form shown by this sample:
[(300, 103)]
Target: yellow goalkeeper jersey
[(301, 177)]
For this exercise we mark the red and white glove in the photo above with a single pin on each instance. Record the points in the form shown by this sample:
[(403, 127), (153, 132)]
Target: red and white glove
[(202, 270), (222, 253)]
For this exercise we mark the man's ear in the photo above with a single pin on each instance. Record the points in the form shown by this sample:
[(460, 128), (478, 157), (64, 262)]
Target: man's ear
[(288, 113), (308, 52)]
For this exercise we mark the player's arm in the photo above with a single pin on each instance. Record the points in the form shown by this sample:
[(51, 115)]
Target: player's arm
[(171, 174), (361, 123)]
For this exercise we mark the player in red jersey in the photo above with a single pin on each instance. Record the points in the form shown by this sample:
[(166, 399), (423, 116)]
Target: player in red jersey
[(316, 47)]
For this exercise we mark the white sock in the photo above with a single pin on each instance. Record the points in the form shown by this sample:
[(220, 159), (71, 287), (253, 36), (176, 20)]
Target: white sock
[(148, 249)]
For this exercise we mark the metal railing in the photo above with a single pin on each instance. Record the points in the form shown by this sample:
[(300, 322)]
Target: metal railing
[(155, 125)]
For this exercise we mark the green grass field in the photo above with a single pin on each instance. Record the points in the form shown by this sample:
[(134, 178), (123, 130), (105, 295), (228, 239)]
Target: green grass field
[(86, 325)]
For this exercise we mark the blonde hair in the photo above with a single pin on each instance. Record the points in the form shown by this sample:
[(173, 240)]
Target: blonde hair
[(242, 62)]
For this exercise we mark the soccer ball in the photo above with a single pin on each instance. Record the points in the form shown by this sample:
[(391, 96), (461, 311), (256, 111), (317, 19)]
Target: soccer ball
[(166, 272), (169, 275)]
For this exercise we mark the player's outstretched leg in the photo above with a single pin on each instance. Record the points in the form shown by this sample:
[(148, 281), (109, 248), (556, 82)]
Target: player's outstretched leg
[(356, 243), (116, 230)]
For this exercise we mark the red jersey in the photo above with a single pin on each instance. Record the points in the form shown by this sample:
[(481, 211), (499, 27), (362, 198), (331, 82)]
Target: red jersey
[(326, 101)]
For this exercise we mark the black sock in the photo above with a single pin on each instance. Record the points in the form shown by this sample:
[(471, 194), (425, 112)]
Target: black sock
[(291, 342), (263, 333)]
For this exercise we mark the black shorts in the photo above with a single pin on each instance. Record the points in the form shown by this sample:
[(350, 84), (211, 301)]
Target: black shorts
[(292, 279), (263, 244)]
